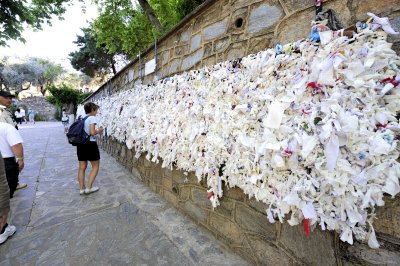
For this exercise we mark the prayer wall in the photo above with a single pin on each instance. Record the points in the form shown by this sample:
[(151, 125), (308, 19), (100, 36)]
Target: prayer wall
[(223, 30)]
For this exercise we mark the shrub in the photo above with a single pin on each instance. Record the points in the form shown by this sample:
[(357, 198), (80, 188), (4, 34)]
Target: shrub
[(58, 114), (39, 117)]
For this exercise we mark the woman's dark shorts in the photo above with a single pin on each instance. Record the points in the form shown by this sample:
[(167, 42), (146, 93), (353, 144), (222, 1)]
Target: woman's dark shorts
[(88, 151)]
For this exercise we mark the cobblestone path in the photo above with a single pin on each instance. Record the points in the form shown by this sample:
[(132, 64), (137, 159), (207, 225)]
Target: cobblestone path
[(125, 223)]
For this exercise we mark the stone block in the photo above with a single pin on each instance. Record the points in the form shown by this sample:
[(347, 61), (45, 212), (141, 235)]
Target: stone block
[(208, 49), (209, 61), (367, 256), (185, 36), (197, 23), (147, 163), (167, 183), (238, 37), (235, 4), (295, 27), (342, 10), (157, 174), (129, 155), (179, 177), (174, 65), (199, 197), (254, 222), (248, 254), (160, 190), (198, 214), (303, 248), (361, 7), (260, 43), (168, 172), (147, 174), (165, 57), (184, 193), (135, 172), (215, 30), (211, 15), (172, 40), (192, 178), (221, 44), (153, 186), (267, 253), (170, 197), (225, 6), (233, 193), (226, 207), (238, 20), (294, 5), (396, 47), (236, 50), (181, 50), (195, 42), (192, 59), (223, 226), (388, 218), (257, 205), (395, 23), (263, 18)]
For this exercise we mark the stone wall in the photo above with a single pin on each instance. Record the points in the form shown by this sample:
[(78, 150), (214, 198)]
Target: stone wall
[(40, 106), (227, 29), (242, 224), (221, 30)]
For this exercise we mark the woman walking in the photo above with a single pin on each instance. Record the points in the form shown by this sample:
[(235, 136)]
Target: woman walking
[(89, 151)]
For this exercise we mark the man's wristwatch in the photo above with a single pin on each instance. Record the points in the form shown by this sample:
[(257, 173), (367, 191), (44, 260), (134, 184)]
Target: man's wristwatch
[(19, 159)]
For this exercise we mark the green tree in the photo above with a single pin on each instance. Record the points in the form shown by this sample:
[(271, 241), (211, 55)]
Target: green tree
[(16, 14), (50, 73), (148, 10), (126, 28), (65, 96), (92, 59), (20, 75), (184, 7), (122, 28)]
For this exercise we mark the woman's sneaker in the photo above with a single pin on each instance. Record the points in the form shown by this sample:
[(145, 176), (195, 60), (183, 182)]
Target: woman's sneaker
[(10, 230), (81, 191), (91, 190)]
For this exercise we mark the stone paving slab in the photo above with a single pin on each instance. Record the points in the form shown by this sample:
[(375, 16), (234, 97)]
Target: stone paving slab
[(125, 223)]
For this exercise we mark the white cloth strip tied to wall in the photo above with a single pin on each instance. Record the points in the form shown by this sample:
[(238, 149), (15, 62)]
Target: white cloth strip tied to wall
[(308, 133)]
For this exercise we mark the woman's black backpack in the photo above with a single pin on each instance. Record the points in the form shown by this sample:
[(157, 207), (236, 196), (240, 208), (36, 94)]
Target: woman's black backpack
[(76, 134)]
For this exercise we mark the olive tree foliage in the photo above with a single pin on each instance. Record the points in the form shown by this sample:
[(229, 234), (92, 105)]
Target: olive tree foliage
[(51, 73), (128, 27), (19, 75), (76, 79), (15, 15)]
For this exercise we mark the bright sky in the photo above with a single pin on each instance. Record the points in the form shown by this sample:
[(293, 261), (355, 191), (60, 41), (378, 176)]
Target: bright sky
[(54, 42)]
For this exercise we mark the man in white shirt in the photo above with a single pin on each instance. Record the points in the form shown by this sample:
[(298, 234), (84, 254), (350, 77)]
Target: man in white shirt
[(5, 116), (12, 151), (5, 102), (13, 154)]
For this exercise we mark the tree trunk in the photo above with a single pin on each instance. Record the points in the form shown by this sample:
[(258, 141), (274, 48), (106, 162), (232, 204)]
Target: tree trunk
[(22, 89), (43, 90), (150, 13)]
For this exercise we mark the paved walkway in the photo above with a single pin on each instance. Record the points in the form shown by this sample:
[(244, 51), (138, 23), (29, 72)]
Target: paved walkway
[(124, 223)]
